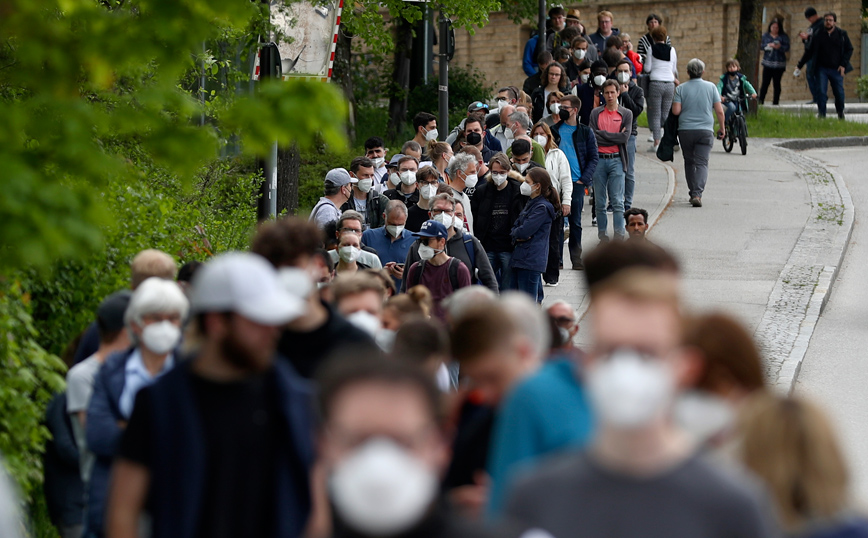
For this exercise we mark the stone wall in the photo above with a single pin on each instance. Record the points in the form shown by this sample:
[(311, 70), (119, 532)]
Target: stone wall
[(706, 29)]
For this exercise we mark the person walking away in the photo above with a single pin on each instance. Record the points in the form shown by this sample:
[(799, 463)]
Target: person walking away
[(775, 44), (366, 199), (558, 168), (661, 65), (633, 99), (222, 445), (733, 87), (643, 48), (579, 145), (498, 202), (816, 25), (612, 125), (694, 103), (436, 270), (831, 51), (531, 232)]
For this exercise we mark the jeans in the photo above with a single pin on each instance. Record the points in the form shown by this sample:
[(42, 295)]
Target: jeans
[(827, 75), (696, 147), (813, 80), (577, 203), (729, 109), (630, 177), (500, 265), (609, 186), (529, 282), (771, 75)]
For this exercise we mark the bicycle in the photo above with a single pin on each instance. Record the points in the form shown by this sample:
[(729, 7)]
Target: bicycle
[(736, 128)]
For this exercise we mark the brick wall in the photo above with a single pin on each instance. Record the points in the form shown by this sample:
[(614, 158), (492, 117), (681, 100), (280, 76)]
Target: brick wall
[(699, 29)]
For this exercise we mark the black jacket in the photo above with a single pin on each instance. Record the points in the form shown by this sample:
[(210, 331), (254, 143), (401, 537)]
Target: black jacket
[(64, 491), (482, 205), (538, 99), (819, 48), (666, 149), (634, 101), (396, 194), (376, 206)]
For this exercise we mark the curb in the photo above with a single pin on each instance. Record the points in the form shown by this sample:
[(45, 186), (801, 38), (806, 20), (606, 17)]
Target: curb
[(829, 264)]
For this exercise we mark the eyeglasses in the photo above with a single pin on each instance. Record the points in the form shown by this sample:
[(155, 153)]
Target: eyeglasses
[(438, 211), (351, 230)]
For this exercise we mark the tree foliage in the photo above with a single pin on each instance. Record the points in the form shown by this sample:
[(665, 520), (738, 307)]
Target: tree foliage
[(81, 78)]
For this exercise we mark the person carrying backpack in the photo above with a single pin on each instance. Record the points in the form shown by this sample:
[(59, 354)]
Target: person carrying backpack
[(436, 270)]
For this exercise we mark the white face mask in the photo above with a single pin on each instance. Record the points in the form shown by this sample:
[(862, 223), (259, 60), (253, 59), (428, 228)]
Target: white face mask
[(508, 133), (395, 179), (623, 77), (554, 108), (599, 80), (365, 321), (428, 191), (471, 181), (381, 489), (522, 167), (444, 219), (579, 54), (499, 179), (349, 254), (408, 177), (585, 78), (431, 135), (703, 415), (426, 252), (296, 281), (526, 189), (365, 185), (378, 162), (458, 225), (385, 338), (628, 391), (161, 337), (395, 231), (542, 140)]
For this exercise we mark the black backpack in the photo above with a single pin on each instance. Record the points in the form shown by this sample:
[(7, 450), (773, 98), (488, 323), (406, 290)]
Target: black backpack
[(453, 274)]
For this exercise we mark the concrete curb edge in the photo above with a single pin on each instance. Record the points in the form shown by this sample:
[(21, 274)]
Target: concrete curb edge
[(789, 372)]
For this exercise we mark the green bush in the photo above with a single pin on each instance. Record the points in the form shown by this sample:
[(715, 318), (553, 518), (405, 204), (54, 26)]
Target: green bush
[(862, 87), (465, 86)]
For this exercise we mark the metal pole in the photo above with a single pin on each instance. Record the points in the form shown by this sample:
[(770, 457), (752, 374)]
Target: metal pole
[(426, 48), (443, 121), (272, 181), (541, 45)]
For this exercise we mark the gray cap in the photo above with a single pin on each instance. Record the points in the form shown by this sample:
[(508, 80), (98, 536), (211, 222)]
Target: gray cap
[(339, 177), (110, 313), (395, 158)]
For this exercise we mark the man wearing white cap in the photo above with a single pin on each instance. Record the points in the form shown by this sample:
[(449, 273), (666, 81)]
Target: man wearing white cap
[(338, 191), (222, 445)]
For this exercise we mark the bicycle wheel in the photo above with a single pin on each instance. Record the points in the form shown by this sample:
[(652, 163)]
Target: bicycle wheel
[(742, 135), (728, 139)]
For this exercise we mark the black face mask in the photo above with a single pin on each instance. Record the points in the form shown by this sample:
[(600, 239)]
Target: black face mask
[(564, 114), (474, 138)]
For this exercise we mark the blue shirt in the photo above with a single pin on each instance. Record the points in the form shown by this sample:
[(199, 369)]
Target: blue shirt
[(136, 376), (388, 250), (545, 413), (569, 150)]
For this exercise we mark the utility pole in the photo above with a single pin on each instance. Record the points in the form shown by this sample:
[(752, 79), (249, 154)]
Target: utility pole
[(445, 38), (270, 68), (541, 44)]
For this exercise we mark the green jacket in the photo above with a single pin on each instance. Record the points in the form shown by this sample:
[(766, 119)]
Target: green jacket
[(746, 88)]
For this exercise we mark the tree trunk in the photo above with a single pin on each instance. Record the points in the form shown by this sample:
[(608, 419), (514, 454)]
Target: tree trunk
[(342, 75), (399, 88), (288, 166), (749, 37)]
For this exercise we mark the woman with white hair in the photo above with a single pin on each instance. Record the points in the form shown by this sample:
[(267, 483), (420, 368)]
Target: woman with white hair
[(153, 319), (695, 102)]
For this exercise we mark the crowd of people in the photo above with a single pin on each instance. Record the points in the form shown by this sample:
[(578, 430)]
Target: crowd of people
[(386, 367)]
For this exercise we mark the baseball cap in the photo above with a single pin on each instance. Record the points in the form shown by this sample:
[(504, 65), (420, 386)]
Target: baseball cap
[(395, 158), (110, 313), (476, 105), (432, 228), (246, 284), (339, 177)]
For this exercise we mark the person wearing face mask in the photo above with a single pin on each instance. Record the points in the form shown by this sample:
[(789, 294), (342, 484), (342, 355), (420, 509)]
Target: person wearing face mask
[(436, 270), (360, 297), (375, 149), (406, 191), (554, 79), (599, 74), (506, 96), (461, 174), (522, 162), (153, 319), (498, 202), (639, 463), (338, 191), (553, 103), (478, 110), (349, 250), (581, 50), (384, 451), (223, 444), (366, 198), (564, 317), (473, 133), (427, 179), (351, 223), (425, 126), (392, 241), (531, 231), (558, 168), (633, 99), (293, 247), (520, 127), (500, 130), (482, 170)]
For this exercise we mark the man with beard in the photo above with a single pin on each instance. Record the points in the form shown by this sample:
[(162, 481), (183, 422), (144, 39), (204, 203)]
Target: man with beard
[(222, 445)]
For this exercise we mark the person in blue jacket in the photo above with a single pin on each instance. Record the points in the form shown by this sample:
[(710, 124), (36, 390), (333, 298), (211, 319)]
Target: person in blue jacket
[(153, 318), (531, 232)]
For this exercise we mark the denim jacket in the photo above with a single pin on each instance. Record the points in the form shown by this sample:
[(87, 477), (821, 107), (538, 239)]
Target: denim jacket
[(775, 58)]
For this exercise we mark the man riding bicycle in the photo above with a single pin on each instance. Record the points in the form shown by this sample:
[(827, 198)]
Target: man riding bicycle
[(734, 87)]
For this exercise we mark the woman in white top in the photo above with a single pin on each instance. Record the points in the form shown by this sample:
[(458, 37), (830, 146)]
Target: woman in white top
[(558, 168), (662, 68)]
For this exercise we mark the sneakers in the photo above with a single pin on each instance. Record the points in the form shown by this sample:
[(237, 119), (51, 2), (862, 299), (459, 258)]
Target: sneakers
[(651, 139), (594, 221), (696, 201), (550, 284)]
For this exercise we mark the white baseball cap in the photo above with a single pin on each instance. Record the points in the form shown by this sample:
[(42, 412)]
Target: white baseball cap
[(246, 284)]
